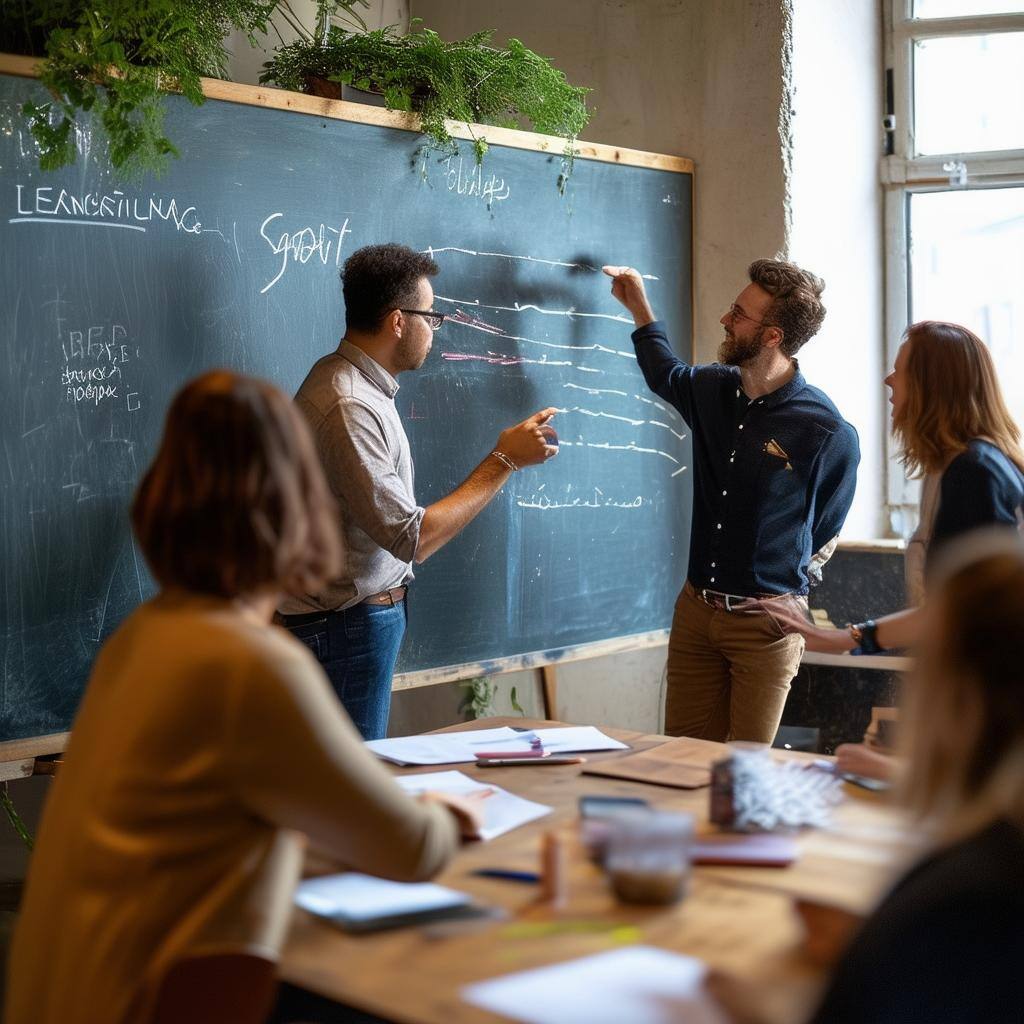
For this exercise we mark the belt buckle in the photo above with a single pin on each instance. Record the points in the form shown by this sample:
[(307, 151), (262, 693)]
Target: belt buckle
[(727, 597)]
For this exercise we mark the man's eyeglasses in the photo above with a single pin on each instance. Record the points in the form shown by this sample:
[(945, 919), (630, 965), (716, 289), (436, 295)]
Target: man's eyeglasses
[(434, 320), (735, 313)]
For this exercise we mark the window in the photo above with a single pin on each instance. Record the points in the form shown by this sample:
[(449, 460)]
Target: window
[(953, 174)]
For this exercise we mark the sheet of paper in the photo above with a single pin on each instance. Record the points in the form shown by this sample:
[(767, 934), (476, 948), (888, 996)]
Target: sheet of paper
[(463, 747), (446, 747), (503, 811), (365, 898), (577, 739), (640, 984)]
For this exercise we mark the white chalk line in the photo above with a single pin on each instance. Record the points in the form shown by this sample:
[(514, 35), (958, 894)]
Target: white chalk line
[(631, 447), (572, 314), (430, 250), (595, 347)]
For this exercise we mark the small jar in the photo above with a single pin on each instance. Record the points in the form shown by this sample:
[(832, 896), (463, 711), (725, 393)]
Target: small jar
[(648, 856)]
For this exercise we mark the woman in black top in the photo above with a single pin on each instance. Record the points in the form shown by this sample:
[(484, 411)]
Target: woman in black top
[(957, 434)]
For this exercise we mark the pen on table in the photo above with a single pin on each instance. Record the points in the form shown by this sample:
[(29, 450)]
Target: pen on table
[(508, 875), (526, 762)]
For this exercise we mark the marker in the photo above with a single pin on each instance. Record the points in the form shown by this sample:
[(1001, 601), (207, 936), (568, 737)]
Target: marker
[(508, 876), (525, 761)]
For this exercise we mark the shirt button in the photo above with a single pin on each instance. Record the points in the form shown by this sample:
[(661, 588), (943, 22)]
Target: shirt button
[(732, 460), (741, 426), (712, 579), (713, 566), (719, 526), (737, 392), (724, 493)]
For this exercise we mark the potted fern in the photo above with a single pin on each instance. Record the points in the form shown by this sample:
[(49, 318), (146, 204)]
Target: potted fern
[(468, 81), (116, 60)]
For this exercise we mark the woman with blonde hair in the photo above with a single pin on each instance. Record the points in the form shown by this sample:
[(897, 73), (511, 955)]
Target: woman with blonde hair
[(207, 741), (947, 943), (956, 432)]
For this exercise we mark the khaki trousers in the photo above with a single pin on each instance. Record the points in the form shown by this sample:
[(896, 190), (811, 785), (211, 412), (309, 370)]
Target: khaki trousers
[(728, 672)]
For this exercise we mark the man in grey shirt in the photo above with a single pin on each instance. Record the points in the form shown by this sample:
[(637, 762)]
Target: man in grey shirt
[(355, 625)]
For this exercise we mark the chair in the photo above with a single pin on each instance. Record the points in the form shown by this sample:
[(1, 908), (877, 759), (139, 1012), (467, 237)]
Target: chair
[(231, 987)]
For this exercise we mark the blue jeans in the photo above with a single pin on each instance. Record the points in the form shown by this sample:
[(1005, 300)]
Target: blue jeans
[(358, 648)]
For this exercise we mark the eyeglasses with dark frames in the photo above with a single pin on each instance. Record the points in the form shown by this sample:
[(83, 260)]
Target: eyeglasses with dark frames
[(433, 318), (735, 313)]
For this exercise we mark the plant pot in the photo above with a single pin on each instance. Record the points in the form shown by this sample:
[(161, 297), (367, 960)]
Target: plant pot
[(317, 86)]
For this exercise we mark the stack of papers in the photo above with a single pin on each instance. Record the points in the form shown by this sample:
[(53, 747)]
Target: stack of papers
[(361, 902), (503, 811), (641, 985), (462, 747)]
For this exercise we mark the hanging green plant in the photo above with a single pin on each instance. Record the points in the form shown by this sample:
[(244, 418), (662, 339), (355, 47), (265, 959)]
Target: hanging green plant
[(115, 60), (468, 81)]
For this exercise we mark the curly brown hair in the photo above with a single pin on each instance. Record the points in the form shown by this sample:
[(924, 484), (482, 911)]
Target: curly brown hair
[(235, 500), (796, 309)]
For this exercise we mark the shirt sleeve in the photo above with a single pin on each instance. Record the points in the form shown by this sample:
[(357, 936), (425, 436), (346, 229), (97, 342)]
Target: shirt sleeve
[(835, 483), (666, 374), (299, 763), (360, 469), (969, 498)]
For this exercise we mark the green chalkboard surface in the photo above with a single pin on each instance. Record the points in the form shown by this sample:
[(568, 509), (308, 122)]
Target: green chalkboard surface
[(113, 294)]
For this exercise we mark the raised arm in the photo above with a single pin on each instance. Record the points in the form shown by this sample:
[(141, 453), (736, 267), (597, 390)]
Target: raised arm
[(666, 374), (522, 445)]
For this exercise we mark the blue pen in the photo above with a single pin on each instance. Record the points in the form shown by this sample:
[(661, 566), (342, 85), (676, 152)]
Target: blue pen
[(507, 875)]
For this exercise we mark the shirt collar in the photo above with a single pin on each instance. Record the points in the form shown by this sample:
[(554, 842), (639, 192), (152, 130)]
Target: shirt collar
[(368, 367), (791, 388)]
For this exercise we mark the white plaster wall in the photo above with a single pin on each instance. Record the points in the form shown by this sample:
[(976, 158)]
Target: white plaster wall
[(837, 222), (246, 63)]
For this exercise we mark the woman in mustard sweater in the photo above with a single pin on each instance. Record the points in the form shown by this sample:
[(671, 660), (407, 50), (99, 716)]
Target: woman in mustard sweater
[(208, 742)]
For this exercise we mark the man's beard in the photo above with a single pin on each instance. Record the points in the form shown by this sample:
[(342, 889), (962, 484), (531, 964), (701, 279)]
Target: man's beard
[(733, 352), (408, 356)]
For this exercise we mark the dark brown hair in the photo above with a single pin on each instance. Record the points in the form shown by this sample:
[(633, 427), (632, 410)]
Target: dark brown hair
[(379, 278), (235, 500), (953, 397), (796, 308)]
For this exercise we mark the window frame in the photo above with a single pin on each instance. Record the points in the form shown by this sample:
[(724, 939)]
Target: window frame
[(903, 174)]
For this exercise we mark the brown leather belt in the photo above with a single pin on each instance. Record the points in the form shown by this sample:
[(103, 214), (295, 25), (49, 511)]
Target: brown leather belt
[(729, 602), (390, 597)]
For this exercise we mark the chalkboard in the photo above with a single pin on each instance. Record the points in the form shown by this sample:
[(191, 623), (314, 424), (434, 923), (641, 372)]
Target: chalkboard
[(114, 294)]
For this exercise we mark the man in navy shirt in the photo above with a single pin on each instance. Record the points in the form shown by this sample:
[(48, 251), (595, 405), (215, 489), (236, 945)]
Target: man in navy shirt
[(775, 468)]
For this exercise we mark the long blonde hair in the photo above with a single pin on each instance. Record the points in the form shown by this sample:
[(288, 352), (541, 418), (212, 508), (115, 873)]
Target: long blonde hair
[(964, 721), (953, 397)]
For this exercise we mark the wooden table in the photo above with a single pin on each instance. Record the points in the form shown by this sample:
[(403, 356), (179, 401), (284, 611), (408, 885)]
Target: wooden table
[(739, 920)]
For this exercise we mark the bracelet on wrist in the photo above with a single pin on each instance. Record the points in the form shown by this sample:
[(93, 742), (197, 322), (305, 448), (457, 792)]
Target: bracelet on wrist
[(865, 635), (503, 458)]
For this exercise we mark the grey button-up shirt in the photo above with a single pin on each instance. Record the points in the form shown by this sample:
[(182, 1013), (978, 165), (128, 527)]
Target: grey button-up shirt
[(349, 400)]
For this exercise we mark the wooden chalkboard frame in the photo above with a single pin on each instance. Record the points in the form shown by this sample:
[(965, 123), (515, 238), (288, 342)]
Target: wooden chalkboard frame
[(341, 110)]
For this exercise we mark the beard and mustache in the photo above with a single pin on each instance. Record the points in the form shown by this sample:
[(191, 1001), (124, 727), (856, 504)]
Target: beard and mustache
[(738, 352)]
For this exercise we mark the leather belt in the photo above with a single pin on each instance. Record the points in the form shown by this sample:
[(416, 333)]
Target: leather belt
[(730, 602), (389, 597)]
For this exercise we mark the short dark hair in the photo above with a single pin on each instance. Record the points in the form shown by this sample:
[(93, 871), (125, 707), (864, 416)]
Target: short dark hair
[(379, 278), (235, 500), (796, 309)]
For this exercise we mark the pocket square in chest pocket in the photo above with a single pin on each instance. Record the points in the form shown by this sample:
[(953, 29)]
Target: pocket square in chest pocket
[(772, 447)]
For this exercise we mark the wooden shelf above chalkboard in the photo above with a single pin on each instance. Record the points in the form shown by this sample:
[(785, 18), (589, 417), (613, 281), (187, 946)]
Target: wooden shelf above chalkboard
[(341, 110)]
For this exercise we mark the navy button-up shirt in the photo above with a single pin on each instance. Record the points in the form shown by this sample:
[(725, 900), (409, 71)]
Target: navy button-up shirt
[(773, 476)]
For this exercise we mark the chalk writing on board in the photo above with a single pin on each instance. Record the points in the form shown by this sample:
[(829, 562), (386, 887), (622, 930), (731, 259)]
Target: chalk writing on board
[(432, 251), (545, 502), (94, 363), (300, 246), (472, 183), (571, 313), (459, 317), (44, 204)]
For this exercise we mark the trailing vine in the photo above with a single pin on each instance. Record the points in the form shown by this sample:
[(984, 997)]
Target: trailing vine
[(468, 80), (116, 59)]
